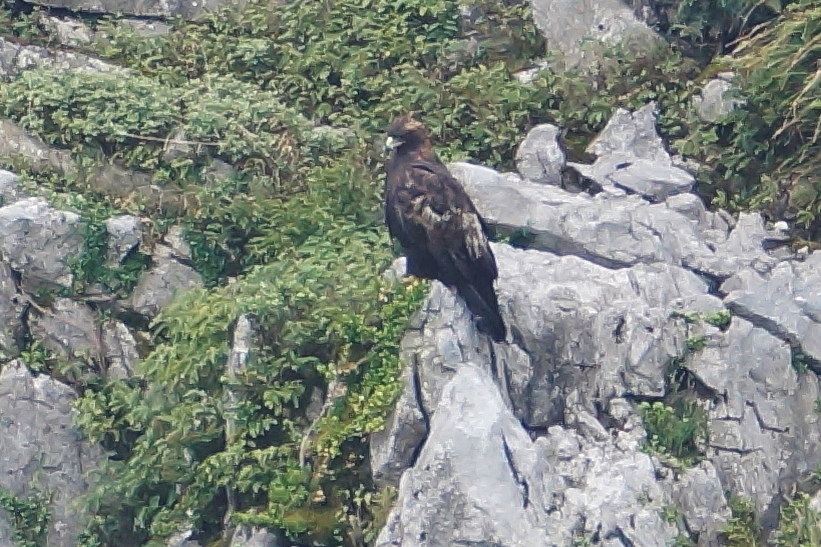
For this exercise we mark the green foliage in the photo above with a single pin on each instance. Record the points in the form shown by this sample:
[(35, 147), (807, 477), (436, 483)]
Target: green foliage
[(29, 518), (800, 361), (713, 25), (323, 314), (800, 524), (130, 120), (695, 343), (678, 430), (742, 530), (765, 153), (720, 319)]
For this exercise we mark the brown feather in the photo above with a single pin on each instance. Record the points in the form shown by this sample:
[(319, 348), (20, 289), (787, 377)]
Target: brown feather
[(442, 234)]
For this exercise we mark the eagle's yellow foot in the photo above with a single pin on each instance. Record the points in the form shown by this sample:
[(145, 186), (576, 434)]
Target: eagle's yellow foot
[(412, 280)]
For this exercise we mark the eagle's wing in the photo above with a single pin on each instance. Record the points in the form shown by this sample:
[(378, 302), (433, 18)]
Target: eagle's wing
[(454, 230)]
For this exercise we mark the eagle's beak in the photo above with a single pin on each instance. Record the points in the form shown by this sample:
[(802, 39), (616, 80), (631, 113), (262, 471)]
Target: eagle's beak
[(392, 144)]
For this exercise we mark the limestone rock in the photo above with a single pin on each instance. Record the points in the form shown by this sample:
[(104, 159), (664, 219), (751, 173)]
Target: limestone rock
[(158, 286), (12, 306), (394, 448), (68, 32), (39, 241), (245, 536), (15, 141), (765, 435), (785, 301), (124, 234), (631, 135), (614, 231), (15, 58), (493, 492), (570, 26), (712, 105), (480, 479), (68, 329), (10, 187), (650, 180), (42, 450), (697, 492), (540, 157), (119, 349)]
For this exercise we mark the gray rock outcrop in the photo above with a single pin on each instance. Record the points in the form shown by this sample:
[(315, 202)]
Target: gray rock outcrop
[(68, 329), (41, 452), (15, 58), (601, 307), (540, 157), (577, 31), (39, 241), (158, 286), (124, 234), (713, 104)]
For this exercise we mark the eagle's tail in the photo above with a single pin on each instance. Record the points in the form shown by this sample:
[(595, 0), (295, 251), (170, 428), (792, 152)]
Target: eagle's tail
[(484, 306)]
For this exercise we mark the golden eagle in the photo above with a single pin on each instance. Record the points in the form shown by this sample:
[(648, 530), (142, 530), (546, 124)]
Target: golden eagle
[(441, 233)]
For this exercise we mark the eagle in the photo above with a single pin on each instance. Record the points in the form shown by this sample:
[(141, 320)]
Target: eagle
[(442, 234)]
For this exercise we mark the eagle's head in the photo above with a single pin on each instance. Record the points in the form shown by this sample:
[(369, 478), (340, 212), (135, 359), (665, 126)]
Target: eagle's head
[(405, 131)]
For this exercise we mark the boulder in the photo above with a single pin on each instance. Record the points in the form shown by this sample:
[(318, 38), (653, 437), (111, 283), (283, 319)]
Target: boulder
[(15, 58), (541, 157), (158, 286), (68, 330), (119, 349), (578, 31), (42, 452), (39, 241), (712, 104), (124, 234), (11, 189)]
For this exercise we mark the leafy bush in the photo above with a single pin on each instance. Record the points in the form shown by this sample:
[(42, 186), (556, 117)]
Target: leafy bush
[(742, 530), (323, 314), (713, 25), (676, 431), (766, 153), (800, 524), (29, 517)]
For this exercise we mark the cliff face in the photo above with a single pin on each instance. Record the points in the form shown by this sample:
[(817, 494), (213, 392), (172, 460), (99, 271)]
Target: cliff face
[(661, 369), (621, 304)]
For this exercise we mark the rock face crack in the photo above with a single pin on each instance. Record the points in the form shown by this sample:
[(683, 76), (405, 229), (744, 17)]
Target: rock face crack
[(619, 534), (517, 476), (765, 323), (761, 423), (416, 380)]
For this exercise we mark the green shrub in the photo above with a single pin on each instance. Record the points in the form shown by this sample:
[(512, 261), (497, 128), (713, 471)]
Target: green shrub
[(29, 517), (742, 530), (677, 431), (713, 25), (800, 524), (765, 153), (323, 312)]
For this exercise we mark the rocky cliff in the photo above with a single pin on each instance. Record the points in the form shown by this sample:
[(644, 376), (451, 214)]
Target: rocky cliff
[(659, 385)]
